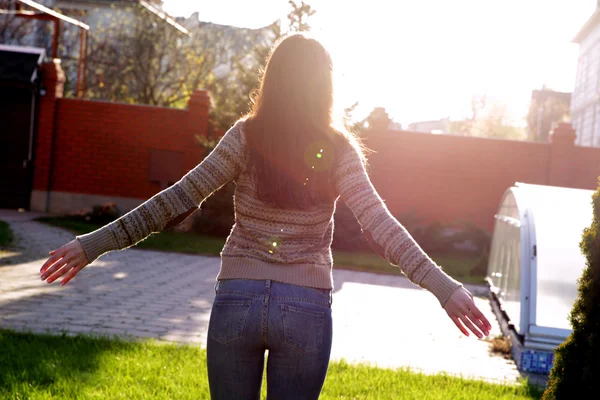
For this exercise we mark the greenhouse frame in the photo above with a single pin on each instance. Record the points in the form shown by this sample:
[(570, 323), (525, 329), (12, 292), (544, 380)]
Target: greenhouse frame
[(534, 266)]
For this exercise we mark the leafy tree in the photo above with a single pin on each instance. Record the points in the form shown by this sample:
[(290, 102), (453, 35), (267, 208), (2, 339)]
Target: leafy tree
[(137, 58), (299, 15), (16, 30), (489, 120), (577, 360)]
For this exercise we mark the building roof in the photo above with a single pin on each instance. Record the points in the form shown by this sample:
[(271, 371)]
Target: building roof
[(545, 94), (587, 28), (19, 64), (154, 7)]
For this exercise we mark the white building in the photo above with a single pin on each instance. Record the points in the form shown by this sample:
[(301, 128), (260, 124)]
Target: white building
[(585, 100), (230, 40)]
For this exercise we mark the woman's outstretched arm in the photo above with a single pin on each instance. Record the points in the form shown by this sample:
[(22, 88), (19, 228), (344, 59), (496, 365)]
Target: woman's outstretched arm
[(162, 211), (394, 243)]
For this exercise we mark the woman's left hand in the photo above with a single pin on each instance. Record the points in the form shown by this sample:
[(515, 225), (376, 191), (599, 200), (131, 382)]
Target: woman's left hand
[(462, 310), (69, 259)]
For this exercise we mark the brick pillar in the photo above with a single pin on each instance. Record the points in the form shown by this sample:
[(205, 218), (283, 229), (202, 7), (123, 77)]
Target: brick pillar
[(562, 139), (53, 81), (198, 108)]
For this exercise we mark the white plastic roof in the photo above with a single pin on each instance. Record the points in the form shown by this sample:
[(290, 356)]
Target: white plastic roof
[(536, 260)]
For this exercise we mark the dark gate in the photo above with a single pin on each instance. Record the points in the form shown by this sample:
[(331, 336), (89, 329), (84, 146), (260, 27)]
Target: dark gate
[(18, 116)]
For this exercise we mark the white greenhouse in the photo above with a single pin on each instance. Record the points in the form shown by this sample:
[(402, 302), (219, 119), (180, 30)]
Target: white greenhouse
[(534, 266)]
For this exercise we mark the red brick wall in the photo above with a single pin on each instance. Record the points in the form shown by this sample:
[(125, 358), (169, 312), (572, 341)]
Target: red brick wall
[(452, 178), (103, 148)]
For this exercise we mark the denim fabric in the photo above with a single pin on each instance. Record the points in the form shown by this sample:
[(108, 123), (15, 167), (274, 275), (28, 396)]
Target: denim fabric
[(250, 316)]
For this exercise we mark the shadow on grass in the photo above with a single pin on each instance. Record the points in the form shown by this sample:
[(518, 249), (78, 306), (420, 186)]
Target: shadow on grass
[(37, 361), (64, 367)]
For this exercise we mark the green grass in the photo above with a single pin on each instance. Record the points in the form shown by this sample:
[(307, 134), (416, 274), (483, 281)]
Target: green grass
[(164, 241), (6, 235), (82, 367), (458, 267)]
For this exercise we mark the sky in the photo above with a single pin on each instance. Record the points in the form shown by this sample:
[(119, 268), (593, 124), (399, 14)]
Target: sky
[(425, 59)]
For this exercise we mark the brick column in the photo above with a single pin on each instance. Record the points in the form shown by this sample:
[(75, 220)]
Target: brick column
[(53, 80), (198, 108), (562, 139)]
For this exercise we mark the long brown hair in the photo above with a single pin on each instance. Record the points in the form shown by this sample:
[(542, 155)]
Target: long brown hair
[(291, 143)]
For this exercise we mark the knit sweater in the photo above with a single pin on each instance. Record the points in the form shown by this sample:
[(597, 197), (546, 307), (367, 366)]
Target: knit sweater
[(290, 246)]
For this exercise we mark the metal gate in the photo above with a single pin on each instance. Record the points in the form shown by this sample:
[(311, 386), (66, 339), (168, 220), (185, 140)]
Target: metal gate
[(18, 116)]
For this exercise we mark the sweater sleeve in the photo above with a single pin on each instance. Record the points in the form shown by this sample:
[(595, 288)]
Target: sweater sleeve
[(175, 203), (385, 234)]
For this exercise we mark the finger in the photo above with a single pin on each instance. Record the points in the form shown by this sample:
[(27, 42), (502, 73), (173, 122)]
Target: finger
[(458, 324), (54, 266), (49, 262), (70, 275), (58, 255), (480, 317), (66, 258), (58, 265), (60, 272), (465, 319), (480, 325)]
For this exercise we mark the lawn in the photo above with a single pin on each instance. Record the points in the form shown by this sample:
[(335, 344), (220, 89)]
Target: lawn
[(458, 267), (6, 235), (83, 367)]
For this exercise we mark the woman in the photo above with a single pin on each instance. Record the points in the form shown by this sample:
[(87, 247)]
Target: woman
[(274, 287)]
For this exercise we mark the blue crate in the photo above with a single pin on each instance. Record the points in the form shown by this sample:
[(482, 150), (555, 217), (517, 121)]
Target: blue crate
[(539, 362)]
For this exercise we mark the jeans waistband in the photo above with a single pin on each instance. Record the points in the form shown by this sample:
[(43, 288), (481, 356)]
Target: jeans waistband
[(278, 289)]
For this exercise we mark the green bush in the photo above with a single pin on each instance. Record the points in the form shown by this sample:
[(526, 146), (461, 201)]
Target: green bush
[(460, 238), (215, 217), (347, 235), (577, 361), (99, 214), (6, 235)]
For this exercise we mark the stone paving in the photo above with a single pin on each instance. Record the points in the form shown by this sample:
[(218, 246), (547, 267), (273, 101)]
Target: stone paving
[(378, 319)]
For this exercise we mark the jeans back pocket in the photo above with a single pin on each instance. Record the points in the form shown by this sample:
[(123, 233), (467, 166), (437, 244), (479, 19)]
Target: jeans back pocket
[(303, 328), (227, 320)]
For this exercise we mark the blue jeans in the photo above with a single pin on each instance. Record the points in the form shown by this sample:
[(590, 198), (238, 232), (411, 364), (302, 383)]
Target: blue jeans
[(251, 316)]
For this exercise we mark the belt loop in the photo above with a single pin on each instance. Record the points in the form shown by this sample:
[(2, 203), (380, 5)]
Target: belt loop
[(330, 297), (216, 287)]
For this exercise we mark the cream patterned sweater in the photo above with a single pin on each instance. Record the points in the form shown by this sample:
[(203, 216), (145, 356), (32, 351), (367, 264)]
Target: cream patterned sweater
[(268, 243)]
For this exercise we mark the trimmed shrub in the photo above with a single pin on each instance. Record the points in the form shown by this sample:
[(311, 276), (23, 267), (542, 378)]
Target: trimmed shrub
[(6, 235), (577, 361), (215, 217), (99, 214), (347, 234)]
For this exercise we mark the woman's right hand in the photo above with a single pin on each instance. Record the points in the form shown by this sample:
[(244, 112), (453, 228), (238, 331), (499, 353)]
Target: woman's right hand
[(68, 259)]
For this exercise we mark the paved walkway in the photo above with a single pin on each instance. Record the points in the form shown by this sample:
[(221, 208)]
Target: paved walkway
[(379, 319)]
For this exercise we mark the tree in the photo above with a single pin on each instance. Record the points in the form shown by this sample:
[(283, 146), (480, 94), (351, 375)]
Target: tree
[(16, 30), (299, 15), (143, 60), (489, 120), (577, 360)]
